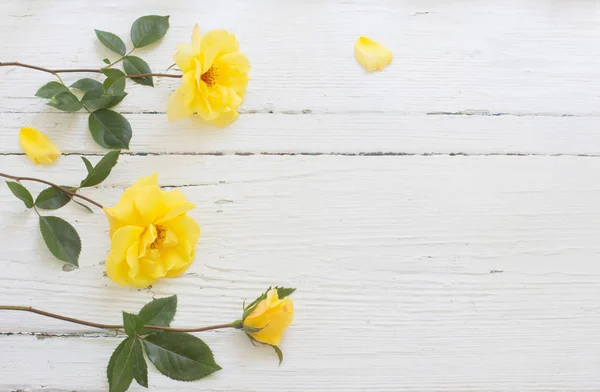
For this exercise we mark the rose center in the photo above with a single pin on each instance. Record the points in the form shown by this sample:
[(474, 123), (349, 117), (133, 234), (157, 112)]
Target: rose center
[(209, 77), (161, 233)]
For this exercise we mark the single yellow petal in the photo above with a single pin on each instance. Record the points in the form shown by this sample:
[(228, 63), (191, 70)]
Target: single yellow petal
[(176, 107), (196, 38), (215, 43), (116, 265), (175, 212), (225, 119), (147, 239), (37, 146), (184, 57), (132, 260), (184, 227), (150, 205), (371, 54)]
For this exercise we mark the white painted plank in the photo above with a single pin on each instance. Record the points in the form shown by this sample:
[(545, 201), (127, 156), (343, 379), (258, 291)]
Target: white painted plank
[(394, 257), (317, 362), (325, 133), (502, 56)]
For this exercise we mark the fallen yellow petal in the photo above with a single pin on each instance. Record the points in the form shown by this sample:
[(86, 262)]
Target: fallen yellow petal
[(37, 146), (371, 54)]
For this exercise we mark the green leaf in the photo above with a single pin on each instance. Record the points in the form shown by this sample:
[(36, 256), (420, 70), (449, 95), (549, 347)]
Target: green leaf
[(148, 29), (140, 368), (283, 292), (110, 129), (99, 172), (106, 61), (115, 83), (134, 66), (84, 206), (95, 100), (111, 41), (52, 198), (159, 312), (180, 356), (249, 329), (88, 164), (278, 352), (65, 101), (50, 89), (87, 84), (120, 370), (61, 238), (133, 324), (21, 192)]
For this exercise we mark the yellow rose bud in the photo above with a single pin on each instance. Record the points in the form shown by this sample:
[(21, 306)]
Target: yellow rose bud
[(371, 54), (37, 146), (215, 76), (151, 235), (271, 317)]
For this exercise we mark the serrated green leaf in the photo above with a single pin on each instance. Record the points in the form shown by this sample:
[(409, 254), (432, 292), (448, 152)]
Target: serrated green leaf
[(120, 370), (278, 352), (102, 170), (65, 101), (52, 198), (135, 66), (148, 29), (88, 165), (132, 323), (61, 238), (50, 89), (84, 206), (159, 312), (111, 41), (87, 84), (110, 129), (180, 356), (140, 368), (106, 61), (21, 192), (283, 292)]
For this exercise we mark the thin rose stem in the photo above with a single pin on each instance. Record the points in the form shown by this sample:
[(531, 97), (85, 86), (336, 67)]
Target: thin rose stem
[(93, 70), (109, 326), (60, 188)]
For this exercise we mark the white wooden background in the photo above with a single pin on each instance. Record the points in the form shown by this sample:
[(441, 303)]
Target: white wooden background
[(440, 218)]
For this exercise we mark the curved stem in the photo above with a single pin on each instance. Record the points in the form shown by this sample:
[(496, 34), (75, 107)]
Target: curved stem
[(108, 326), (92, 70), (60, 188)]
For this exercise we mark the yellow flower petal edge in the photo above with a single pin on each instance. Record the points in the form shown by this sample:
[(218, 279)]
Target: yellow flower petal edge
[(371, 54), (37, 146), (214, 81), (151, 235), (272, 316)]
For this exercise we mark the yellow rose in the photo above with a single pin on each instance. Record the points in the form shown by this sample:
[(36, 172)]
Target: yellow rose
[(151, 235), (215, 76), (371, 54), (37, 146), (270, 317)]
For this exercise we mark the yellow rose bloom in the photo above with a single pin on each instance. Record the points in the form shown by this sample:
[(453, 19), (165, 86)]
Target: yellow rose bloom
[(371, 54), (273, 315), (151, 235), (37, 146), (215, 76)]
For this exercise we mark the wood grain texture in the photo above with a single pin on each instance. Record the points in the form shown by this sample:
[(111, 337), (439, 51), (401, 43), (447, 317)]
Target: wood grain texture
[(502, 56), (324, 134), (415, 273)]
